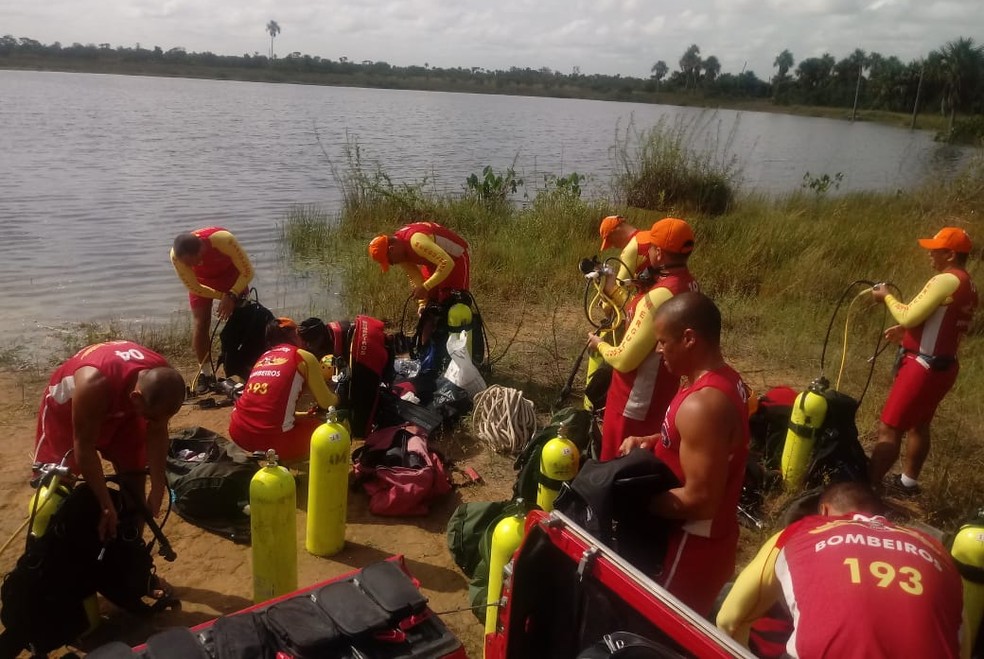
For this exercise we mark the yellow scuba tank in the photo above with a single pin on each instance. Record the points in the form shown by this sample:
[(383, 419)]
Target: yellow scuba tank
[(48, 498), (506, 538), (45, 501), (805, 420), (273, 523), (459, 320), (596, 361), (559, 462), (328, 480), (328, 367), (968, 554)]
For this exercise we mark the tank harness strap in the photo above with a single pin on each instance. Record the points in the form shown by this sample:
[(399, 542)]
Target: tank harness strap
[(971, 573), (551, 483), (802, 430)]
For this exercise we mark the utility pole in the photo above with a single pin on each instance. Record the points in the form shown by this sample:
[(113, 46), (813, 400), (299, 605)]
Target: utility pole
[(857, 91), (915, 106)]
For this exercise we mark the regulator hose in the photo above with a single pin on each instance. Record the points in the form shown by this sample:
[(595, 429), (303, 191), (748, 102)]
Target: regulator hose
[(878, 349)]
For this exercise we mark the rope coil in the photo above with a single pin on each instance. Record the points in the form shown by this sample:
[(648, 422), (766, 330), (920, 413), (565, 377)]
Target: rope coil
[(503, 419)]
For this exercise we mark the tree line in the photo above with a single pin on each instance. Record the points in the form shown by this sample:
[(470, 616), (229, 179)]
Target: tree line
[(949, 80)]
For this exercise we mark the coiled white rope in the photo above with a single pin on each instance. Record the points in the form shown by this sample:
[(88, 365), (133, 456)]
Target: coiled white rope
[(503, 419)]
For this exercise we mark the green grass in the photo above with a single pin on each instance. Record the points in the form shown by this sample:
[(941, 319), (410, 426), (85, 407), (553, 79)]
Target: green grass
[(776, 266)]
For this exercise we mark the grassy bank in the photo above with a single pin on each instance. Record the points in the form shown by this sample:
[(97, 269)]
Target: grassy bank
[(776, 266)]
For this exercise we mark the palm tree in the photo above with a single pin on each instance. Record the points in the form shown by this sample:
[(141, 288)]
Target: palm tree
[(659, 71), (959, 63), (274, 29), (712, 67), (784, 62), (690, 65)]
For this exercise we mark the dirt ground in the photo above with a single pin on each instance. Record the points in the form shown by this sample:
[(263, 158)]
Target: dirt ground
[(213, 576)]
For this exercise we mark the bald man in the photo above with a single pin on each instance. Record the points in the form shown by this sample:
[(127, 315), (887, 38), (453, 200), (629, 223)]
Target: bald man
[(704, 441), (112, 400)]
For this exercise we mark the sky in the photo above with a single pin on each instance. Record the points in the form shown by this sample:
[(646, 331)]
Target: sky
[(598, 36)]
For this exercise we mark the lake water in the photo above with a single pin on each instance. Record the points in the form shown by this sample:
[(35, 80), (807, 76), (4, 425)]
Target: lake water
[(98, 173)]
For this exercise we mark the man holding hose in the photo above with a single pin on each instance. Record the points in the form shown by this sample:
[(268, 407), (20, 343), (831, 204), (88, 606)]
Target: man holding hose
[(213, 266), (641, 387), (930, 328)]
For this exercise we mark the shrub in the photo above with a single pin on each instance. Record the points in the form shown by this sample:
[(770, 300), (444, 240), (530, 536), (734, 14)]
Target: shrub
[(683, 166)]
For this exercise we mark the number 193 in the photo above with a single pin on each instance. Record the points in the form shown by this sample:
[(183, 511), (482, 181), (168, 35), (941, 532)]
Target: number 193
[(909, 579)]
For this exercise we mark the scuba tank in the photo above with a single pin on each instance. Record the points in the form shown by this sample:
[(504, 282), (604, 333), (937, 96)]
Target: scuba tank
[(460, 320), (967, 551), (327, 364), (805, 420), (327, 503), (273, 523), (44, 503), (559, 462), (595, 361), (506, 538)]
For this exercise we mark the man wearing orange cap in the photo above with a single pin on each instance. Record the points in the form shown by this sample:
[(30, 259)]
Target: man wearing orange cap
[(264, 416), (642, 387), (434, 258), (616, 232), (929, 331), (436, 261)]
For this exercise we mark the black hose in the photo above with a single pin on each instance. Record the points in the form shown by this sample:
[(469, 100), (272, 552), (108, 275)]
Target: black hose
[(878, 343), (570, 378)]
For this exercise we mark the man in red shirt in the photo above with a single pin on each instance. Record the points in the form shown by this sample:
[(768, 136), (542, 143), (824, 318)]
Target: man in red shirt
[(264, 416), (641, 386), (434, 257), (112, 400), (855, 584), (704, 441), (213, 266), (929, 329), (615, 231), (436, 261)]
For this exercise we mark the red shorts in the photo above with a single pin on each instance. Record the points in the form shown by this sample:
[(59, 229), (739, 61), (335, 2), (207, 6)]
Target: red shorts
[(916, 393), (291, 446), (223, 284), (123, 442), (696, 568)]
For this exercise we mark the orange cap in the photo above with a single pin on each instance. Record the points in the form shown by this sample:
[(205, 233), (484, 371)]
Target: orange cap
[(673, 235), (379, 251), (608, 225), (286, 323), (950, 238)]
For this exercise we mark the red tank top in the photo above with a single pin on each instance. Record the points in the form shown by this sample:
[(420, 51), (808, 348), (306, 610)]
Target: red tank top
[(940, 334), (118, 361), (860, 586), (270, 396), (455, 246), (726, 380), (647, 390), (214, 263)]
